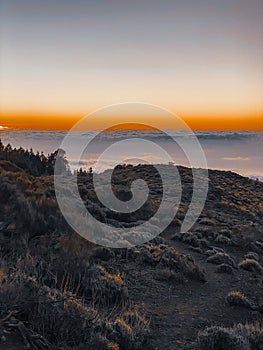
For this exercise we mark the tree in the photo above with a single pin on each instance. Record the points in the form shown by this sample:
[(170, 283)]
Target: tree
[(58, 159), (35, 164), (1, 145)]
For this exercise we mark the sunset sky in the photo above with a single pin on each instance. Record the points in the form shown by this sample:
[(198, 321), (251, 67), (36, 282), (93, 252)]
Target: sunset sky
[(201, 59)]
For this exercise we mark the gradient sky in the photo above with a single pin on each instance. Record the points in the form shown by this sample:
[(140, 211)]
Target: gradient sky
[(202, 59)]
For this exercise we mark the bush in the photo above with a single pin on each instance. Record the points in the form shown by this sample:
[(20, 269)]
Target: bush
[(223, 240), (225, 268), (168, 257), (219, 338), (106, 288), (252, 255), (251, 265), (236, 298), (66, 321), (206, 222), (239, 337), (221, 258), (130, 331)]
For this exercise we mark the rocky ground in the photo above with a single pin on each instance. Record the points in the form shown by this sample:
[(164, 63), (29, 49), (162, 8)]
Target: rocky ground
[(197, 290)]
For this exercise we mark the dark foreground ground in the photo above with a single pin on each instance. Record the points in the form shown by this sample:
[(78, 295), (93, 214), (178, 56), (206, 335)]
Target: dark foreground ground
[(198, 290)]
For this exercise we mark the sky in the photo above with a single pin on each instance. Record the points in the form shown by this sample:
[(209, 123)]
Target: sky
[(200, 59)]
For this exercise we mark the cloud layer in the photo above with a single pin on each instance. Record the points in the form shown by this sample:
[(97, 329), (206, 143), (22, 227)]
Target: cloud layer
[(237, 151)]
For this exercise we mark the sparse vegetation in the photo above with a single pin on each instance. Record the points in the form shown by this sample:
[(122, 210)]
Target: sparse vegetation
[(239, 337), (251, 265), (221, 258), (252, 255), (236, 298), (59, 291), (225, 268), (181, 266), (65, 314)]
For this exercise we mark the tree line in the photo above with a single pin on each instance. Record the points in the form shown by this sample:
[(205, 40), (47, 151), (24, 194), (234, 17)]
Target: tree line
[(35, 164)]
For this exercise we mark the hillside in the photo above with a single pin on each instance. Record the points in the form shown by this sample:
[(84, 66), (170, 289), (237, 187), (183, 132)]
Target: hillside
[(199, 290)]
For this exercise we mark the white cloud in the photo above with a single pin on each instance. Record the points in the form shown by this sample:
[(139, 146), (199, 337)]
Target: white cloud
[(237, 158)]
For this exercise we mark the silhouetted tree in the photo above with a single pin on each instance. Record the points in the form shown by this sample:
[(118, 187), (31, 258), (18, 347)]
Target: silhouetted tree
[(58, 159), (35, 164)]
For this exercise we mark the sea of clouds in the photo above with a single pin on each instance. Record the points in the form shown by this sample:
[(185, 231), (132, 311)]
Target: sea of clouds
[(240, 152)]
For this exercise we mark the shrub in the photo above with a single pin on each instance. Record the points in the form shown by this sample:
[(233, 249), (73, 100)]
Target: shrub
[(191, 238), (252, 255), (130, 331), (223, 240), (67, 321), (239, 337), (221, 258), (236, 298), (206, 222), (106, 288), (219, 338), (255, 333), (103, 253), (251, 265), (225, 268), (168, 257)]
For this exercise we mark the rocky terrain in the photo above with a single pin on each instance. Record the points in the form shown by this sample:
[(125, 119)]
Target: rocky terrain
[(197, 290)]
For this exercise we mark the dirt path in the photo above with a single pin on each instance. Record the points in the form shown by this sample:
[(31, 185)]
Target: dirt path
[(177, 311)]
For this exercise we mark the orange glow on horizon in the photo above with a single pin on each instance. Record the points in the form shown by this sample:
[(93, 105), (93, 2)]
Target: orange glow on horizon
[(66, 122), (131, 126)]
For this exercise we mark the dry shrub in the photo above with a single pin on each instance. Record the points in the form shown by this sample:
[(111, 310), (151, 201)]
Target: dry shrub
[(239, 337), (251, 265), (221, 258), (236, 298), (167, 257)]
